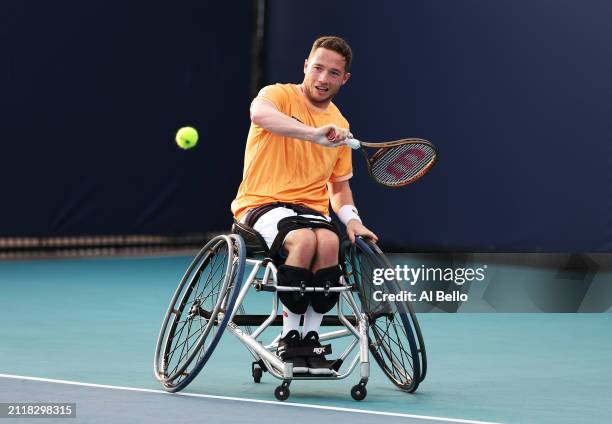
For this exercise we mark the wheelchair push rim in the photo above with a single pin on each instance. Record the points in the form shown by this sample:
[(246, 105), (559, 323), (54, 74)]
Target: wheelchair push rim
[(412, 318), (210, 285), (393, 326)]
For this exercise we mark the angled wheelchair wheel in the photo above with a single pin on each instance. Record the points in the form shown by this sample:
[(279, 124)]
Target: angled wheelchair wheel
[(199, 311), (396, 342)]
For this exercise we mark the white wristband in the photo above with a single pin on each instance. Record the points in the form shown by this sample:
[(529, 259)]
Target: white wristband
[(348, 212)]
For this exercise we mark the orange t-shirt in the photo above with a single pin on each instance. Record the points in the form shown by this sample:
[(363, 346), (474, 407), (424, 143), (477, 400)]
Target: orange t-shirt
[(289, 170)]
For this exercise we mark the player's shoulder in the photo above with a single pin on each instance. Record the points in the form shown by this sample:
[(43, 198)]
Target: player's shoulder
[(336, 111), (277, 89)]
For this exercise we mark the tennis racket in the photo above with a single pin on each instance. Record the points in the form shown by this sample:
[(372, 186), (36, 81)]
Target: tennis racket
[(397, 163)]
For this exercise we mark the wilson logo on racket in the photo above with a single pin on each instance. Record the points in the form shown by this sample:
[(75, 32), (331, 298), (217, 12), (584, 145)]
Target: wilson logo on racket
[(399, 166), (400, 162)]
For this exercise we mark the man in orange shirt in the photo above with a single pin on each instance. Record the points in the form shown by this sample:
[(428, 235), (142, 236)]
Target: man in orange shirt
[(296, 162)]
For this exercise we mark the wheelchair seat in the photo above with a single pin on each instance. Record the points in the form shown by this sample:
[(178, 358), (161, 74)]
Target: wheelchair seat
[(254, 242)]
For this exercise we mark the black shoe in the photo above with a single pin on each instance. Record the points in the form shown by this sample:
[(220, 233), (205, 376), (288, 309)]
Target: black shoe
[(286, 350), (317, 364)]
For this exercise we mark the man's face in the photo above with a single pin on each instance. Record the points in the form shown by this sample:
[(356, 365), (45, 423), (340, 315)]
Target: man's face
[(323, 76)]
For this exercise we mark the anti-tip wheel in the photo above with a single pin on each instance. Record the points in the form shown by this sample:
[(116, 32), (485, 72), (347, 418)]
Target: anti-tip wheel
[(282, 393), (359, 392)]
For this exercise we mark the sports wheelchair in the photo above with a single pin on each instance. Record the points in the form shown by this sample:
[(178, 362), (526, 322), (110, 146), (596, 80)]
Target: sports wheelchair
[(209, 300)]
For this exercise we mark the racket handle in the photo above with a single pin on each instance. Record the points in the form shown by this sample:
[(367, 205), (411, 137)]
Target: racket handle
[(353, 143)]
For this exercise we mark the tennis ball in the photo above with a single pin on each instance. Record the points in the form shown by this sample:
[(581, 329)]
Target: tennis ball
[(186, 137)]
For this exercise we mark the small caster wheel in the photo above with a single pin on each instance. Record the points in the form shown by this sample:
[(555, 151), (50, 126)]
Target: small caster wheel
[(282, 393), (257, 373), (359, 392)]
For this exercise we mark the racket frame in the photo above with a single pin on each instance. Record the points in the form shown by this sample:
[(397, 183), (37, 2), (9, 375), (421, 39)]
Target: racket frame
[(381, 150)]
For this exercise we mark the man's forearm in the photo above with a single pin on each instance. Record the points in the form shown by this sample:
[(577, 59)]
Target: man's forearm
[(266, 116), (340, 195)]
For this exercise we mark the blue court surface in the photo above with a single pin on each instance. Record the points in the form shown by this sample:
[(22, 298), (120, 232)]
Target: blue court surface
[(72, 328)]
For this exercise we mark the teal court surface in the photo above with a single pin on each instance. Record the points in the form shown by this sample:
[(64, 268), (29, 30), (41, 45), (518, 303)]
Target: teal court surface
[(95, 322)]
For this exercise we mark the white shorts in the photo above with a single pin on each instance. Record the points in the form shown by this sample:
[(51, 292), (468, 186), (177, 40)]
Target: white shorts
[(267, 224)]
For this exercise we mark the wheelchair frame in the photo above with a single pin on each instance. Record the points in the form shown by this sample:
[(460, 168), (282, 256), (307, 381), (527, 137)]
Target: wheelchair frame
[(264, 353), (356, 325)]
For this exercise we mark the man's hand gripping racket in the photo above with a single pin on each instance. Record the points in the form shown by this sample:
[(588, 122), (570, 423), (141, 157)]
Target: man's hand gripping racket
[(397, 163)]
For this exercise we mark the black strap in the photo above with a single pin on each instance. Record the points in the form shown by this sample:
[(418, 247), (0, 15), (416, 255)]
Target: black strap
[(290, 223), (294, 351), (287, 224), (254, 214)]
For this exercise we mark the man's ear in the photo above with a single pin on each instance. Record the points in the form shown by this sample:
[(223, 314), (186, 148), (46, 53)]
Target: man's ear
[(346, 78), (305, 65)]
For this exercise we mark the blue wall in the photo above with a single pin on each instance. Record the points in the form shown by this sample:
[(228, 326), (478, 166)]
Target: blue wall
[(516, 95), (92, 96)]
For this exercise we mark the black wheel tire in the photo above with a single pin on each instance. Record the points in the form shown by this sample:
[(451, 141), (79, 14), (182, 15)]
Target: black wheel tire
[(257, 374), (282, 393), (359, 392), (395, 338), (227, 284)]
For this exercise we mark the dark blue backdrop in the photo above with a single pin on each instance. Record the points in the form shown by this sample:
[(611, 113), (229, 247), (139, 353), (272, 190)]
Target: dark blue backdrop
[(515, 94), (93, 95)]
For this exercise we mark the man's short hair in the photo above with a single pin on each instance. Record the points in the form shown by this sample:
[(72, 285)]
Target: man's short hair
[(337, 45)]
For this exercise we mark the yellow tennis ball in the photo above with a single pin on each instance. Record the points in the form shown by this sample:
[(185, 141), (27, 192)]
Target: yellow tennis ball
[(186, 137)]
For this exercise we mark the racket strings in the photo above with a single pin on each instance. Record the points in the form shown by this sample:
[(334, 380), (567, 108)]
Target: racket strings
[(399, 164)]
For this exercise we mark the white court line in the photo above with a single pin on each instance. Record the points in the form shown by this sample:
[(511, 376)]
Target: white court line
[(300, 405)]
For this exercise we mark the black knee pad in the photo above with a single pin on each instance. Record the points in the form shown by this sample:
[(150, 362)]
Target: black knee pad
[(321, 302), (292, 276)]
